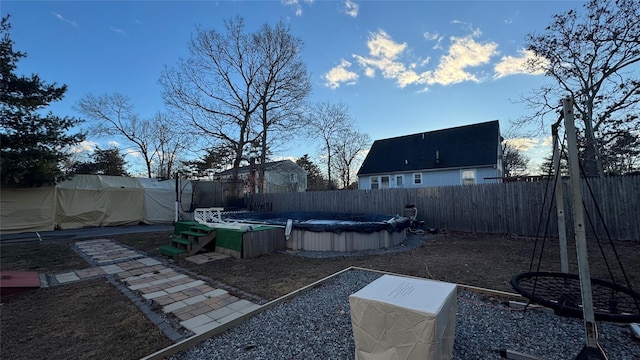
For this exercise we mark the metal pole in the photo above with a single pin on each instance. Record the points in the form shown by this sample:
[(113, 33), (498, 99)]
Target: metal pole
[(562, 231), (177, 196), (591, 331)]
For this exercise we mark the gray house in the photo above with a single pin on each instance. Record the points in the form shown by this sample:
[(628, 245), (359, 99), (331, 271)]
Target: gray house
[(470, 154), (279, 176)]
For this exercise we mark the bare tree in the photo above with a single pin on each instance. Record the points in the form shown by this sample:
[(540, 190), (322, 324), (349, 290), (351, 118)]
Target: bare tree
[(113, 114), (514, 163), (214, 88), (326, 121), (282, 86), (169, 142), (591, 55), (348, 150)]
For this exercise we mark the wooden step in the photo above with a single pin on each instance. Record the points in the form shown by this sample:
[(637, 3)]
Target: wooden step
[(193, 233), (201, 228), (183, 226), (181, 241), (171, 251)]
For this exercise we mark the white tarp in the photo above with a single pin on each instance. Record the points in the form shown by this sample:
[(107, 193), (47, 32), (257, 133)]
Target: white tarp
[(98, 200), (403, 318), (160, 199), (29, 209), (91, 200)]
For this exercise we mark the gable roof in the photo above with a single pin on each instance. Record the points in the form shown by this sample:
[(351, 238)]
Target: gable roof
[(267, 166), (464, 146)]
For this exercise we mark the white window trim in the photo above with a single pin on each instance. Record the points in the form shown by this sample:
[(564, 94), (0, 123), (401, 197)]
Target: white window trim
[(474, 176), (414, 179), (388, 181), (401, 177), (371, 182), (379, 178)]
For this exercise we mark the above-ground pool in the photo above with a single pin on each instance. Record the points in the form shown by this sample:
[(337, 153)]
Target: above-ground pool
[(322, 231)]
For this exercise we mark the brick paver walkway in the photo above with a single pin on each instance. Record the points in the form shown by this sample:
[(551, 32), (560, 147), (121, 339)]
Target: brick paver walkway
[(197, 306)]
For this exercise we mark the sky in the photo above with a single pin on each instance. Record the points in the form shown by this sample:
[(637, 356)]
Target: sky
[(402, 67)]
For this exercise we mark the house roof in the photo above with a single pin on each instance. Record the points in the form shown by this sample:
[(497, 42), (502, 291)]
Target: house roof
[(267, 166), (464, 146)]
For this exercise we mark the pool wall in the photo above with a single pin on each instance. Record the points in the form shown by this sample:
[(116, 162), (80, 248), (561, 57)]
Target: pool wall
[(344, 241), (322, 231)]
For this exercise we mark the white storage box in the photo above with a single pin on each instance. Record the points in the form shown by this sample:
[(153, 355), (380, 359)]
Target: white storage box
[(403, 318)]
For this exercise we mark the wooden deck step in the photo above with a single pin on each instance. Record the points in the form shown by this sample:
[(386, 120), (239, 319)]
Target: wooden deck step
[(193, 233), (171, 251), (200, 227), (181, 241)]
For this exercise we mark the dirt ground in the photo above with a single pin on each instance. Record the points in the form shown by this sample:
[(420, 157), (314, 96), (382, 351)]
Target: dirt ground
[(92, 319)]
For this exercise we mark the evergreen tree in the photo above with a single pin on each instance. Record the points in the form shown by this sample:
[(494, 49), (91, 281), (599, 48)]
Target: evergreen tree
[(33, 145), (105, 162), (315, 180), (216, 158)]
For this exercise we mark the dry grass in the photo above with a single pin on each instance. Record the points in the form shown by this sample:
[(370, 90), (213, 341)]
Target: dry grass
[(92, 319)]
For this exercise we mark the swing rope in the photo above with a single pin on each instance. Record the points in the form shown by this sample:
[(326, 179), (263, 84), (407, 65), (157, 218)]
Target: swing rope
[(561, 291)]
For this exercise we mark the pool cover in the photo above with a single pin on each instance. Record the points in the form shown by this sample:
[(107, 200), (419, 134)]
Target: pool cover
[(327, 221)]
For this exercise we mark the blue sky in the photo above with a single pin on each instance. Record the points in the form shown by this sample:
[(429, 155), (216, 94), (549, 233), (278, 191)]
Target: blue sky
[(403, 67)]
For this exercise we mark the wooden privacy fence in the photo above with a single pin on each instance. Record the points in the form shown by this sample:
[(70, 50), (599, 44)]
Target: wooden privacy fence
[(515, 208)]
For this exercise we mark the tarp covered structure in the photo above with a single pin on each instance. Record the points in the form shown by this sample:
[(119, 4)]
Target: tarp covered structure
[(90, 200), (97, 200), (160, 198), (30, 209)]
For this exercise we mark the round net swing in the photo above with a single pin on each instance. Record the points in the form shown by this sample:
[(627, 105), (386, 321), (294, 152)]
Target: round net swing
[(561, 292)]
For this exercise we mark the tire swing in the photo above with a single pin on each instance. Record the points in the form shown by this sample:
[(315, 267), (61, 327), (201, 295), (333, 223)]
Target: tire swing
[(577, 295)]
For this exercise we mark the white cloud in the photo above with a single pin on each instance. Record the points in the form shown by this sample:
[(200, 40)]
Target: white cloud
[(547, 141), (511, 19), (340, 75), (467, 59), (369, 72), (62, 18), (84, 147), (434, 37), (351, 8), (133, 153), (295, 4), (113, 143), (384, 56), (523, 144), (381, 45), (464, 53), (526, 63), (119, 31)]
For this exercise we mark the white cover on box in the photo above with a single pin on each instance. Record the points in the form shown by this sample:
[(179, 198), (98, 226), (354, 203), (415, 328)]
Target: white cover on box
[(402, 318)]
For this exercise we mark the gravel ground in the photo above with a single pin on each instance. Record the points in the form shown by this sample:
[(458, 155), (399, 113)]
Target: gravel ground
[(317, 325)]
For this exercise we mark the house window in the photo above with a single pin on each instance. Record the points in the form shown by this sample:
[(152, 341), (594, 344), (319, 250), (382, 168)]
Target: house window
[(399, 180), (293, 178), (375, 183), (379, 182), (468, 177), (417, 179), (384, 182)]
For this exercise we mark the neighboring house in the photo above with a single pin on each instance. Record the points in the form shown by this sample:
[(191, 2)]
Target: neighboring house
[(470, 154), (279, 176)]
